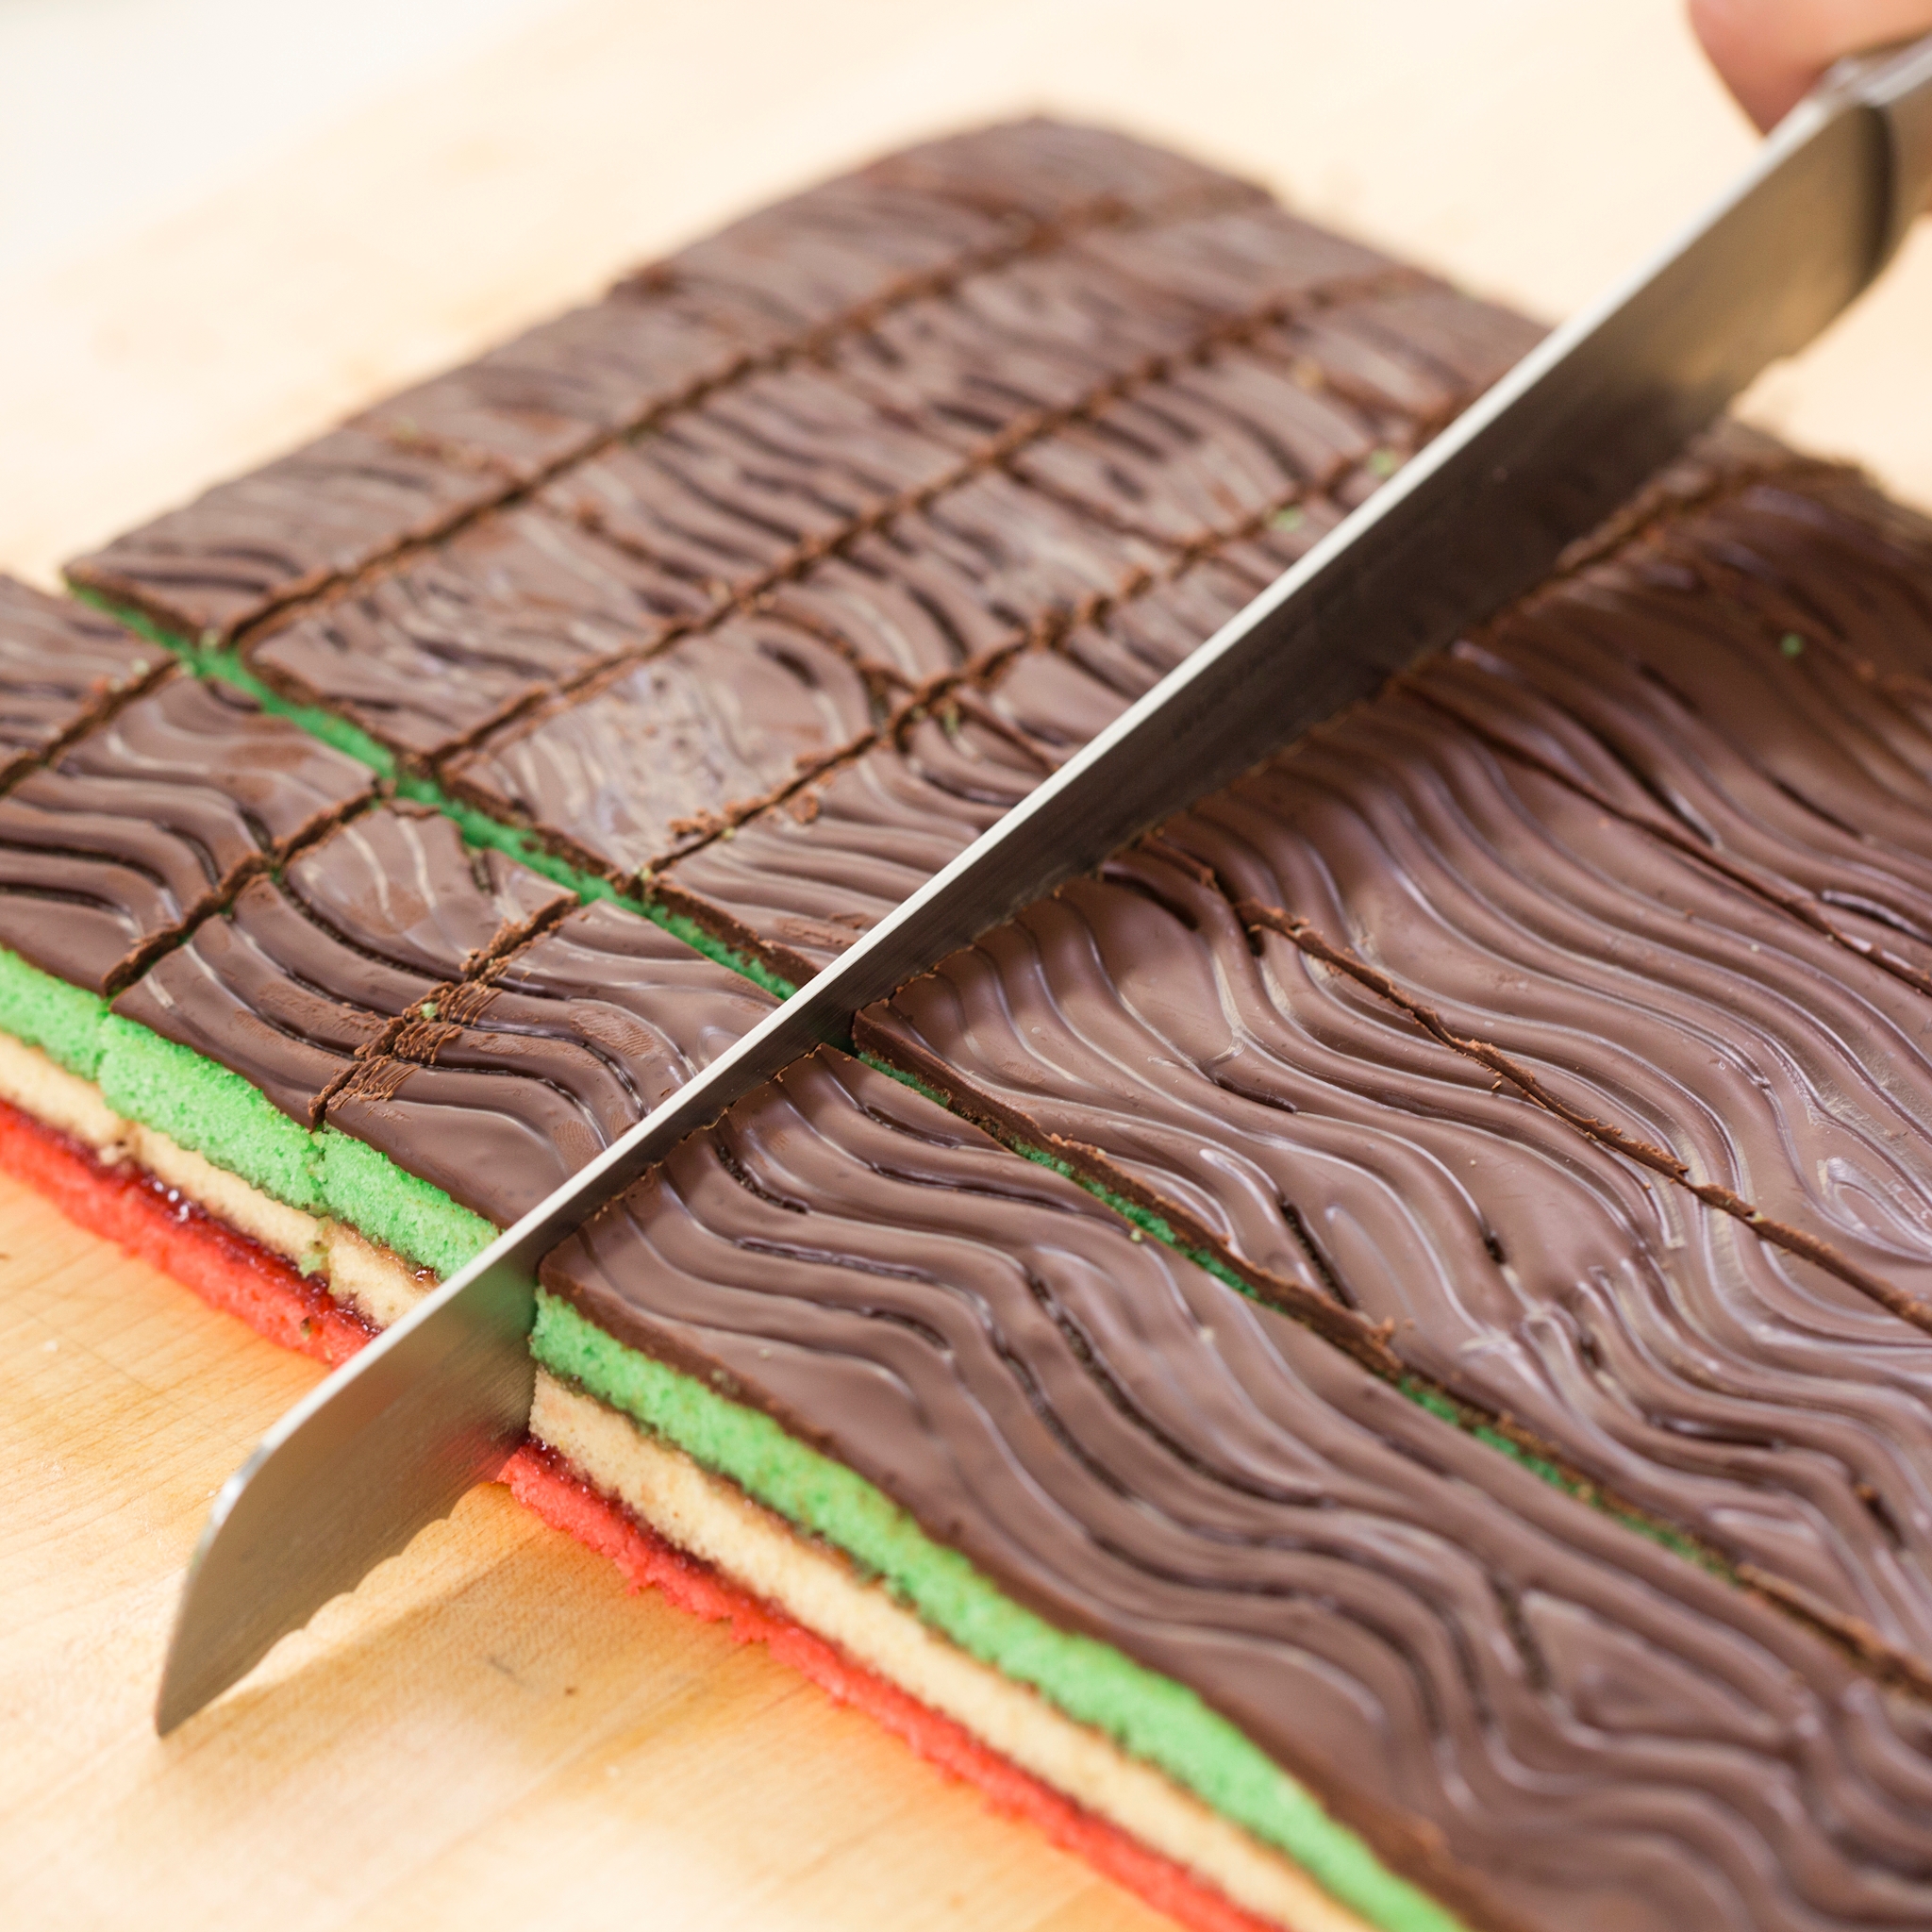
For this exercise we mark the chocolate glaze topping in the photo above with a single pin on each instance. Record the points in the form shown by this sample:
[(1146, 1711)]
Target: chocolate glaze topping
[(428, 655), (1058, 176), (1644, 994), (1395, 1193), (1140, 641), (567, 384), (516, 1079), (802, 880), (1543, 1717), (755, 481), (283, 530), (898, 608), (1203, 454), (1611, 922), (771, 285), (151, 819), (306, 972), (61, 665), (650, 760)]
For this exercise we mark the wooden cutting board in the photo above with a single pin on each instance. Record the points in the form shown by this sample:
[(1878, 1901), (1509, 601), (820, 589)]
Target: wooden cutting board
[(491, 1732)]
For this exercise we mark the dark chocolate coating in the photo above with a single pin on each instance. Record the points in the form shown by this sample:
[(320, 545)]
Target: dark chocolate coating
[(1059, 174), (400, 885), (152, 818), (514, 1081), (538, 401), (1541, 1716), (1054, 705), (1031, 560), (425, 656), (246, 546), (897, 606), (829, 256), (1203, 454), (754, 482), (804, 879), (796, 885), (61, 664), (648, 762), (410, 468), (1640, 990), (1002, 354), (266, 993), (1231, 264), (1140, 641), (1365, 1174), (306, 974)]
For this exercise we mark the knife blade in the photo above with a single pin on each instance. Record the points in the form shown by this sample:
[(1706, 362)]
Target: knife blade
[(393, 1439)]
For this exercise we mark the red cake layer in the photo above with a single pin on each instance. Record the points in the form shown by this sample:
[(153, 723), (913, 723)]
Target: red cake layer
[(241, 1277), (540, 1479), (154, 1223)]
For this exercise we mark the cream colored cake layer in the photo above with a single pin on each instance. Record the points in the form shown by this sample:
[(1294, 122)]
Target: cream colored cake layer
[(711, 1518), (376, 1281)]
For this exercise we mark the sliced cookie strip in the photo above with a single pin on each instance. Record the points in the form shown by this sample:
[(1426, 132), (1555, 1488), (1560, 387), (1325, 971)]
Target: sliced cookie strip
[(1661, 1006), (1059, 174), (1399, 1195), (1796, 820), (1034, 1441), (648, 761), (245, 547), (411, 468), (799, 883), (152, 819), (1003, 355), (309, 971), (519, 411), (426, 656), (61, 665), (754, 482), (501, 1089), (795, 886)]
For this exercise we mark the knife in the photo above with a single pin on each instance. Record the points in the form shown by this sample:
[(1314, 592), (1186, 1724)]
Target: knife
[(389, 1441)]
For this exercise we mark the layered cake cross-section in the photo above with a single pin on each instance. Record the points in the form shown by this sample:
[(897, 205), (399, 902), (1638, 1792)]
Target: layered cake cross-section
[(1371, 1369)]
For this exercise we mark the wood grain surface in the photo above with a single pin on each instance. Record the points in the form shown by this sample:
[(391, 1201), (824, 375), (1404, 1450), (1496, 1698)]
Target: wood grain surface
[(491, 1732)]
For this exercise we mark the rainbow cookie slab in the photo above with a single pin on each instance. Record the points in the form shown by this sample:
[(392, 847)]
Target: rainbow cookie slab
[(1370, 1369)]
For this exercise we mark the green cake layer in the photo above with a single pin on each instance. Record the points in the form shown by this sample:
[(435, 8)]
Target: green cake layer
[(1149, 1716), (202, 1106)]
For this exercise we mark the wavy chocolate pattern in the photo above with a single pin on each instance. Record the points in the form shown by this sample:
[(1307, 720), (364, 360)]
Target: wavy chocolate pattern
[(61, 665), (1376, 1182), (152, 818), (648, 762), (900, 609), (568, 384), (306, 975), (1140, 641), (1646, 995), (431, 654), (754, 479), (1631, 746), (500, 1089), (1057, 176), (1199, 456), (799, 883), (770, 285), (245, 547), (1541, 1716)]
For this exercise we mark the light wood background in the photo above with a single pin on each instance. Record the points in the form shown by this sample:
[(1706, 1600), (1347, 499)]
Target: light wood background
[(489, 1733)]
